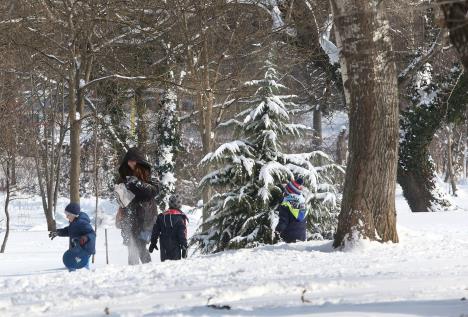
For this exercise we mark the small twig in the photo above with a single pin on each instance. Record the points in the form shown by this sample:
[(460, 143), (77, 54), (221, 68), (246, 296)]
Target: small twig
[(214, 306), (303, 299)]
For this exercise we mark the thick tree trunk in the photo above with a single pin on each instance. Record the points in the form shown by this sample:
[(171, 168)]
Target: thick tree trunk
[(418, 189), (416, 170), (370, 83)]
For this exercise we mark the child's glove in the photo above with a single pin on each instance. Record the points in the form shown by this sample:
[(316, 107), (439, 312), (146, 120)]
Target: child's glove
[(75, 242), (83, 240), (153, 246), (53, 234)]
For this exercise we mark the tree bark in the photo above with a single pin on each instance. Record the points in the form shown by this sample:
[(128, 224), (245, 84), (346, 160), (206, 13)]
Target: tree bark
[(206, 109), (370, 83), (465, 152), (456, 20), (96, 174), (142, 126), (341, 148), (317, 126), (77, 75), (75, 148)]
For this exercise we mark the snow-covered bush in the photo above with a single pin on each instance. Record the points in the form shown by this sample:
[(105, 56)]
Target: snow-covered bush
[(249, 174)]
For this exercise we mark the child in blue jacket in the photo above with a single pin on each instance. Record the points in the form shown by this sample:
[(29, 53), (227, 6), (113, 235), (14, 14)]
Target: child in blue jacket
[(292, 223), (82, 238)]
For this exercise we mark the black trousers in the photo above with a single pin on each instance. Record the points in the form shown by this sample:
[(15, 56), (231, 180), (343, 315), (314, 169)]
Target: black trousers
[(170, 250)]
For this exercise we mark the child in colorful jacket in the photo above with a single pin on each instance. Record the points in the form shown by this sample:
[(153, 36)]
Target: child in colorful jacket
[(292, 223), (171, 229)]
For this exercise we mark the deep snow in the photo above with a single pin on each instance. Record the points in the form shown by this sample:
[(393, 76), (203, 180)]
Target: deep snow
[(426, 274)]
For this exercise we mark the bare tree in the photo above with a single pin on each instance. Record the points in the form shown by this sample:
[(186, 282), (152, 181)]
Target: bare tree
[(10, 114)]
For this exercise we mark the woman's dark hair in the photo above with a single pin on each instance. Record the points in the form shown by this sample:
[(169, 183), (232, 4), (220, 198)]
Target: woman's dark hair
[(124, 171), (142, 173)]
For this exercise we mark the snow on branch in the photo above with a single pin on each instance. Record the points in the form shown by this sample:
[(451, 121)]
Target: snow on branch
[(229, 123), (233, 148), (267, 175), (114, 76), (106, 126), (215, 176), (300, 157), (420, 60), (270, 6), (328, 47)]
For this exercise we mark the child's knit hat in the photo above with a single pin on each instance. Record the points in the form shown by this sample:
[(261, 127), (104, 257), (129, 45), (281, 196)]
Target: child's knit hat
[(174, 202), (73, 209), (294, 186)]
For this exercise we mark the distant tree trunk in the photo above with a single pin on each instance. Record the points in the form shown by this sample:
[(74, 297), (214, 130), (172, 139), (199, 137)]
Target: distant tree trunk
[(465, 145), (142, 126), (7, 203), (79, 73), (341, 148), (450, 177), (370, 83), (47, 157), (96, 173), (206, 100), (75, 148), (317, 126)]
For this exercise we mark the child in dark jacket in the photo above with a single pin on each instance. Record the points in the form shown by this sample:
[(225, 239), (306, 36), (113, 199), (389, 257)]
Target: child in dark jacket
[(82, 238), (292, 223), (171, 228)]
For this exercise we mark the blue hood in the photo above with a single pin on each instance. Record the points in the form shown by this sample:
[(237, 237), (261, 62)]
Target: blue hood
[(83, 217)]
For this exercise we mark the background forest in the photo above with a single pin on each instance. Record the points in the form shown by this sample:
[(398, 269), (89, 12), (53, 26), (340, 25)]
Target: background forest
[(83, 81)]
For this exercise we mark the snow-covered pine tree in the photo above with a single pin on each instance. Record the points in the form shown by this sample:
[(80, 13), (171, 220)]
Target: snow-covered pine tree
[(249, 173), (168, 143)]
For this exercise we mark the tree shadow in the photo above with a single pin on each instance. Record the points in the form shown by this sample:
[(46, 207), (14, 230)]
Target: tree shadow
[(428, 308)]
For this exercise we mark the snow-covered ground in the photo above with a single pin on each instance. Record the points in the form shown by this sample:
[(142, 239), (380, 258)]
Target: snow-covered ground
[(426, 274)]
